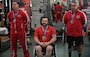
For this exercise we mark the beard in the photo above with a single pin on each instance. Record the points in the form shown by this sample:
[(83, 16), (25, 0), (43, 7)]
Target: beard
[(44, 24)]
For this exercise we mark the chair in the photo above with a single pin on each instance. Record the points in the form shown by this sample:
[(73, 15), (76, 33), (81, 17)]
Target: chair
[(53, 52)]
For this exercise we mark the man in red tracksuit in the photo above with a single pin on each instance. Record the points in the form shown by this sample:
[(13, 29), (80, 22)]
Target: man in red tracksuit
[(17, 20), (22, 7), (58, 12), (74, 20)]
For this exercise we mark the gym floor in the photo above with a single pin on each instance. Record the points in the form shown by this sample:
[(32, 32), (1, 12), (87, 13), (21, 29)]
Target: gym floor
[(61, 49)]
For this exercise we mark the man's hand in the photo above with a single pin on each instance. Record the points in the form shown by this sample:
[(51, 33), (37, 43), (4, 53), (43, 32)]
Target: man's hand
[(46, 43), (43, 44)]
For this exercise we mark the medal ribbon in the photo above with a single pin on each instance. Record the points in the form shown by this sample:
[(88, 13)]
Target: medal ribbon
[(44, 30), (73, 17), (15, 15)]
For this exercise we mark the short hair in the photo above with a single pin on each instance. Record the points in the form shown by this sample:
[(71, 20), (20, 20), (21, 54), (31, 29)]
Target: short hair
[(74, 2), (54, 4), (21, 4), (16, 2), (42, 19), (58, 3)]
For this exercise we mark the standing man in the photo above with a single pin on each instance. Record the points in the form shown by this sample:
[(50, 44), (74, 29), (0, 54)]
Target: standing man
[(44, 36), (28, 10), (58, 12), (17, 20), (74, 20), (22, 7)]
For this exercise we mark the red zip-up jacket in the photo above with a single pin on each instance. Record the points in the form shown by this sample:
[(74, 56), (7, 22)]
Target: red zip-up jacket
[(58, 8), (21, 20), (75, 28)]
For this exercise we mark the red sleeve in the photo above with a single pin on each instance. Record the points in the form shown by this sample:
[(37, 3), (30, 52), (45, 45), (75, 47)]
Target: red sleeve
[(64, 18), (24, 17), (53, 31), (28, 19), (84, 18), (61, 7)]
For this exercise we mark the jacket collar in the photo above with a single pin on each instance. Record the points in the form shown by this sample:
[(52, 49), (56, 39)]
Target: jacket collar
[(75, 12)]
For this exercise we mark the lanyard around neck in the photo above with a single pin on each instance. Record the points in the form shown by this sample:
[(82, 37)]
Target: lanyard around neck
[(15, 14), (44, 30), (72, 17)]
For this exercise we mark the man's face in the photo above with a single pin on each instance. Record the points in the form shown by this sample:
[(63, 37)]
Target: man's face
[(15, 6), (44, 22), (74, 6)]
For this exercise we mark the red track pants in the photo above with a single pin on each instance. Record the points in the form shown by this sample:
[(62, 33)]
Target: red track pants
[(58, 16), (21, 36)]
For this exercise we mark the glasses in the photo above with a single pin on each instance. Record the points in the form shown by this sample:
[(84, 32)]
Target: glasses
[(73, 5)]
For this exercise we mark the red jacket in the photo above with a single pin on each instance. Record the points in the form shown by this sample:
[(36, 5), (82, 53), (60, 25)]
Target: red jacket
[(58, 8), (21, 19), (80, 7), (75, 28)]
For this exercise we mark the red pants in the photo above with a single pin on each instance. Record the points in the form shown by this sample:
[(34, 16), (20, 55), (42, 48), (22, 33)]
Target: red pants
[(20, 35), (58, 16)]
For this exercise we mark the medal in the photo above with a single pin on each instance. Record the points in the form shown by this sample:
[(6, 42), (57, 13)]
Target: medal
[(44, 31), (15, 15), (14, 21), (44, 37), (72, 20)]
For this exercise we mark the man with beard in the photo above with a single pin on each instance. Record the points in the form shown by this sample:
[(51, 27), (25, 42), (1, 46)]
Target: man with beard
[(44, 36)]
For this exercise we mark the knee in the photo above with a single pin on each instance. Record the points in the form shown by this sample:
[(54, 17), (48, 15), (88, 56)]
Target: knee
[(38, 48), (49, 48)]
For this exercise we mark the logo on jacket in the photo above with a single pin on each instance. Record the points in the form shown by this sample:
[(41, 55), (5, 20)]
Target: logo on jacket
[(47, 30), (19, 15), (78, 16)]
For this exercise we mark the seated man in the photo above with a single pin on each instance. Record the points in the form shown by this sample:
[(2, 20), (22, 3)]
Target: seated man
[(44, 36)]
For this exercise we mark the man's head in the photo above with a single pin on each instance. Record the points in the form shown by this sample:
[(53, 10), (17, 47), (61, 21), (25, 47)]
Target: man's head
[(54, 4), (58, 3), (15, 5), (74, 6), (44, 21), (21, 4)]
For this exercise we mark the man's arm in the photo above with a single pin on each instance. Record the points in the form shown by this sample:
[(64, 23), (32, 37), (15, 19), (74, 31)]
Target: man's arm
[(53, 39), (36, 37), (24, 17), (28, 18), (64, 19), (84, 19), (37, 40)]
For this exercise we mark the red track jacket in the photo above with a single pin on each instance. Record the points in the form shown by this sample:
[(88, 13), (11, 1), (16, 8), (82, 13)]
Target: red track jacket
[(75, 28), (20, 22)]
